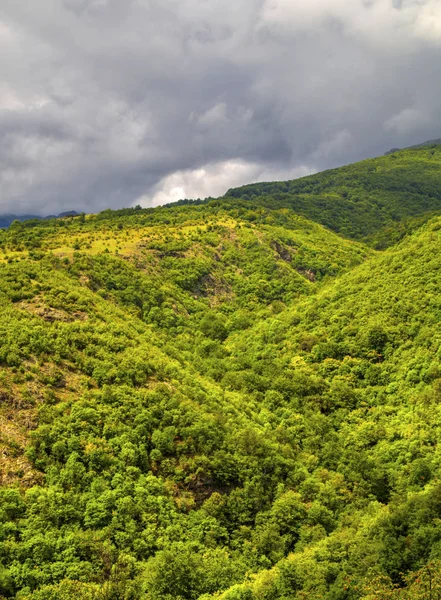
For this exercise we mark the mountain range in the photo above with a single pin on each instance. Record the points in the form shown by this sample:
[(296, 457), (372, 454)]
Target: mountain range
[(231, 399)]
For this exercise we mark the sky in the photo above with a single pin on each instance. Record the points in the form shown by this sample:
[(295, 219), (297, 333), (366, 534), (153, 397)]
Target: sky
[(114, 103)]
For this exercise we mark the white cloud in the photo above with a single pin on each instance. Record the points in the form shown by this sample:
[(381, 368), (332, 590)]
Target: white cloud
[(214, 180), (385, 22), (427, 25)]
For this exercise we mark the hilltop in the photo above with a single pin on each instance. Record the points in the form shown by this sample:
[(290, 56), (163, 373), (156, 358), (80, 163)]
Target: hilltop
[(233, 399), (435, 142), (359, 200)]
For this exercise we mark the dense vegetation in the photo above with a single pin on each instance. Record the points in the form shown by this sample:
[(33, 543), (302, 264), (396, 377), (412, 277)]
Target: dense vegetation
[(360, 199), (224, 399)]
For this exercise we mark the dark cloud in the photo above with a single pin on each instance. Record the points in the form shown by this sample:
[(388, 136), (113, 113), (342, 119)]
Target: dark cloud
[(107, 103)]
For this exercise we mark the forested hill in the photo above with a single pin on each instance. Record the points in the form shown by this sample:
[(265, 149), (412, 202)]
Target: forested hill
[(226, 399), (358, 200)]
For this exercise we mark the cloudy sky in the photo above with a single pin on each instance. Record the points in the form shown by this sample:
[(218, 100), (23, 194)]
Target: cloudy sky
[(111, 103)]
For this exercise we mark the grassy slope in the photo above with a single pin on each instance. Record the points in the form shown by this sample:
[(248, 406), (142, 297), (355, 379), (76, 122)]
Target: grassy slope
[(168, 275), (241, 255)]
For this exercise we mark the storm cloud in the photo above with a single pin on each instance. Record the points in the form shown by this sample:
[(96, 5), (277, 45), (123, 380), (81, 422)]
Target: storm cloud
[(111, 103)]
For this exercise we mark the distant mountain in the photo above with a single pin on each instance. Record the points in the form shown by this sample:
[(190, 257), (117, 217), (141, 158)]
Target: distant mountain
[(7, 219)]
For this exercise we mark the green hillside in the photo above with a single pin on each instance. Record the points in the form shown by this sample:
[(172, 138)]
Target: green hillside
[(360, 199), (225, 399), (355, 378)]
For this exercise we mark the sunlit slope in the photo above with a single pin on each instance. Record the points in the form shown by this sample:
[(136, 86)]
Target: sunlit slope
[(354, 375), (246, 257), (360, 199), (196, 276), (112, 434), (126, 443)]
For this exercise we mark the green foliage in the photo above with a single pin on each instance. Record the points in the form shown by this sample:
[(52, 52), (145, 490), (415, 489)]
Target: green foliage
[(225, 400)]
